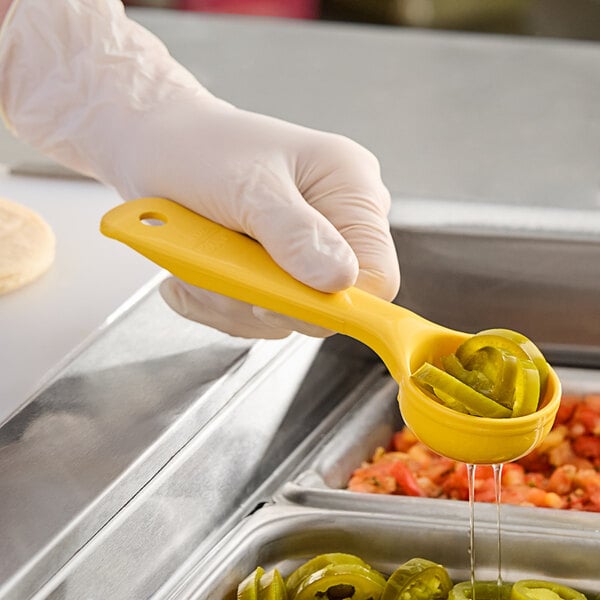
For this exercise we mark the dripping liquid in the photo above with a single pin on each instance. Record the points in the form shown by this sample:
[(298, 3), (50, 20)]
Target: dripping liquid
[(498, 493)]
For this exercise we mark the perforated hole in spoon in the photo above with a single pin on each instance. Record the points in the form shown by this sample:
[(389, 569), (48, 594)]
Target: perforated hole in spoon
[(153, 219)]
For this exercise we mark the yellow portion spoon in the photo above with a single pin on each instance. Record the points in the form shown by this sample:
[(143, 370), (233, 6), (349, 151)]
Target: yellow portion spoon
[(215, 258)]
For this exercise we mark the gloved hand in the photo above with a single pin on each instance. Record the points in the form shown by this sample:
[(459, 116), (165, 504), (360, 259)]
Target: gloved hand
[(100, 94)]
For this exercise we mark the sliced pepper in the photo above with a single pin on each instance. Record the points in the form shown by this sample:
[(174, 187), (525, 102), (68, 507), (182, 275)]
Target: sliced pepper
[(527, 389), (487, 360), (272, 586), (484, 590), (495, 373), (533, 589), (475, 403), (500, 368), (248, 588), (450, 402), (474, 377), (317, 563), (527, 376), (418, 579), (530, 349), (489, 340), (505, 385), (340, 582)]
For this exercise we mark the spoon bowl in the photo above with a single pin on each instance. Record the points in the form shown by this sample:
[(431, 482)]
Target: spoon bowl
[(477, 440), (215, 258)]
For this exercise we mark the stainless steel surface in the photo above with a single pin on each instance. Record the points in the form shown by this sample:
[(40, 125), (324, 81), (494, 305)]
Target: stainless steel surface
[(232, 466), (286, 536), (110, 422), (322, 478), (44, 168), (544, 284)]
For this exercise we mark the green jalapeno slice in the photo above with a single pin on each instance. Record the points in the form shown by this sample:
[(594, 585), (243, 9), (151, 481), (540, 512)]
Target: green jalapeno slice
[(317, 563), (418, 579), (340, 582), (484, 590), (475, 402), (532, 589), (272, 586), (248, 588), (530, 349), (526, 377), (474, 377), (496, 373)]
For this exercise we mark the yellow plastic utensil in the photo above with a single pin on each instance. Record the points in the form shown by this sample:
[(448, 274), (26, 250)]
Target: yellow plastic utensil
[(215, 258)]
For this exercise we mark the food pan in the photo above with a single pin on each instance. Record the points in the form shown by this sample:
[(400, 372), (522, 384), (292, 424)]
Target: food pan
[(321, 480), (285, 536)]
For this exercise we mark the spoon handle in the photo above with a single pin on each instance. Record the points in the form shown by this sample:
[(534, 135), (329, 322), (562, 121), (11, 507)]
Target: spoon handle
[(215, 258)]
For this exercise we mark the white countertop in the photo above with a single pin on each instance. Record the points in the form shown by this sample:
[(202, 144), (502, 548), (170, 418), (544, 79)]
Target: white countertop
[(92, 276)]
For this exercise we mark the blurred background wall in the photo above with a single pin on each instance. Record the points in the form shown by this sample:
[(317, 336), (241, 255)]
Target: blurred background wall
[(574, 19)]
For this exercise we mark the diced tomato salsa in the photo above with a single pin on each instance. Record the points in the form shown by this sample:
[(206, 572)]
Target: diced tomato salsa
[(563, 472)]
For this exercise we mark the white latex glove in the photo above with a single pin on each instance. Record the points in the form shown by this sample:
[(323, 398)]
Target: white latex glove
[(100, 94)]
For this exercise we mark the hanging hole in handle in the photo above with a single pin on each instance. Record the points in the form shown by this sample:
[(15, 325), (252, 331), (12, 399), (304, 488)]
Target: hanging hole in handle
[(153, 219)]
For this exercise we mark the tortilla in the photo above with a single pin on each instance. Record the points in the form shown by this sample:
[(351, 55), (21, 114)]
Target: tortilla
[(27, 246)]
